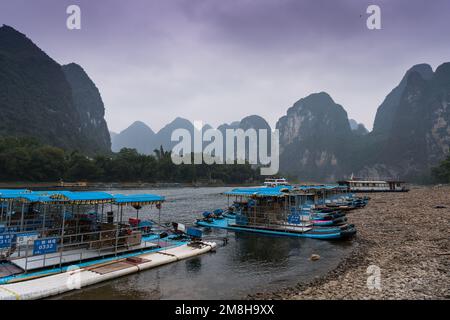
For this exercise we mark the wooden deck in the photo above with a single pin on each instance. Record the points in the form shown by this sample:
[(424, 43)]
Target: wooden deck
[(74, 256), (8, 269)]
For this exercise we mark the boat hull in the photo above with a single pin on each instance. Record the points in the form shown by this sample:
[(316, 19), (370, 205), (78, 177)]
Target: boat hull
[(228, 224)]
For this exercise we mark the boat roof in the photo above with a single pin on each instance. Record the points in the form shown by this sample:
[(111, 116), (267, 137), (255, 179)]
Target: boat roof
[(279, 191), (24, 197), (260, 191), (79, 197), (371, 181), (142, 199), (11, 191)]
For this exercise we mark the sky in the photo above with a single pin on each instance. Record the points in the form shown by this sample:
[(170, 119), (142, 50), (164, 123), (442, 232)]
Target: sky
[(218, 61)]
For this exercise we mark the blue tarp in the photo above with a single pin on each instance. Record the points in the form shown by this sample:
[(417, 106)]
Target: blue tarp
[(13, 191), (137, 198), (81, 196), (277, 191), (84, 195), (260, 191), (28, 197)]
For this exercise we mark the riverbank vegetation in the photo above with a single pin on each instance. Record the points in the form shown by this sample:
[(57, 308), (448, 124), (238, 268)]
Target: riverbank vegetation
[(442, 172), (25, 159)]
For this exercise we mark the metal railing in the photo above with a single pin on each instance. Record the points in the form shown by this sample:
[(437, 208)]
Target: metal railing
[(87, 245)]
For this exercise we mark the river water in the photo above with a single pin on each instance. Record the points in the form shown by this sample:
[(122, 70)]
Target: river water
[(247, 264)]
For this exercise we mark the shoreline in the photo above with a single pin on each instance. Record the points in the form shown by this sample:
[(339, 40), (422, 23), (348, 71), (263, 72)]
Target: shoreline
[(405, 235), (42, 186)]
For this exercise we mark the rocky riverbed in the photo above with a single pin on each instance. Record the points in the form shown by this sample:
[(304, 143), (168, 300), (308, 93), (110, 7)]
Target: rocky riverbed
[(402, 251)]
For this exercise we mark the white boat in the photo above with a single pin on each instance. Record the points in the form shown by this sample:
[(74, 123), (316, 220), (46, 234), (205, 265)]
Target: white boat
[(275, 182), (369, 185)]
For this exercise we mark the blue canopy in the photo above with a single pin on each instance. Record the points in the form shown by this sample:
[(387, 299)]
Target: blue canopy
[(27, 197), (13, 191), (80, 197), (137, 198), (319, 187), (278, 191), (260, 191)]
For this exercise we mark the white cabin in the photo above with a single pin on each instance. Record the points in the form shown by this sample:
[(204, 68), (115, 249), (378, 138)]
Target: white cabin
[(274, 182), (374, 185)]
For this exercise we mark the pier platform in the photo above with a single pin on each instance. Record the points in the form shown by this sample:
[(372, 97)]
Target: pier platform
[(50, 285), (74, 256)]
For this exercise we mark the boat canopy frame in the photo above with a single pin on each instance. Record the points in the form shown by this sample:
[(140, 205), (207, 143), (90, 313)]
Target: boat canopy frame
[(52, 219)]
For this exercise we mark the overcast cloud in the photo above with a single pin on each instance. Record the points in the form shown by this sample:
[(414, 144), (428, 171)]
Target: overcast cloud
[(218, 61)]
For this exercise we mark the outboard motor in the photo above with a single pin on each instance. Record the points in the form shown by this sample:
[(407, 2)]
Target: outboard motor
[(207, 214)]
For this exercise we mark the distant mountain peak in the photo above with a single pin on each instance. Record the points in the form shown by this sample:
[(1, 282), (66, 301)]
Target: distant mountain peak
[(318, 98), (138, 136), (442, 73), (74, 65), (423, 69), (138, 126), (357, 128), (9, 29), (314, 137), (17, 43), (255, 122), (386, 111)]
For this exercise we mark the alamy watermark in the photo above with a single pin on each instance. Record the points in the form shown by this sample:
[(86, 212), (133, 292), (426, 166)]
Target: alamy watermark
[(255, 147), (374, 278), (73, 21), (374, 20), (73, 281)]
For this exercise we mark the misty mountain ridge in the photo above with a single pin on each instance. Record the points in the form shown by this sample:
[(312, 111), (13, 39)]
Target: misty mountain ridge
[(61, 106), (319, 142), (57, 105), (411, 132), (142, 138), (358, 128)]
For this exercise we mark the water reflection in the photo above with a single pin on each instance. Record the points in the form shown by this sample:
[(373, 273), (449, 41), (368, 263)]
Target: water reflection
[(193, 265), (266, 249)]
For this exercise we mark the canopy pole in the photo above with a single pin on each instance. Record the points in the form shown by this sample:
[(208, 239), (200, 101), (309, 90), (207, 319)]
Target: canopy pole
[(77, 224), (2, 211), (22, 216), (9, 213), (62, 234), (159, 219), (117, 228), (63, 220), (43, 218)]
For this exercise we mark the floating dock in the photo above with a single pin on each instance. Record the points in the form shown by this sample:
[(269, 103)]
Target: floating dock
[(40, 286)]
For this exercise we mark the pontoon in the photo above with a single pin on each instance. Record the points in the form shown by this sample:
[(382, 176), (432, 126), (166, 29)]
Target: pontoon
[(45, 236)]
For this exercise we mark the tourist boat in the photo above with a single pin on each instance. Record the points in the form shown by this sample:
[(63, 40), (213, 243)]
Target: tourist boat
[(276, 182), (276, 211), (373, 185), (52, 238), (317, 218)]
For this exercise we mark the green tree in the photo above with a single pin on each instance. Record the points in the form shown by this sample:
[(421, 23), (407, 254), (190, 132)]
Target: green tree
[(441, 173), (81, 167)]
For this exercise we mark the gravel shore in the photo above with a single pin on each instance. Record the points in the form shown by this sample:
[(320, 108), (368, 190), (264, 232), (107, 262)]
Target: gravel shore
[(404, 236)]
